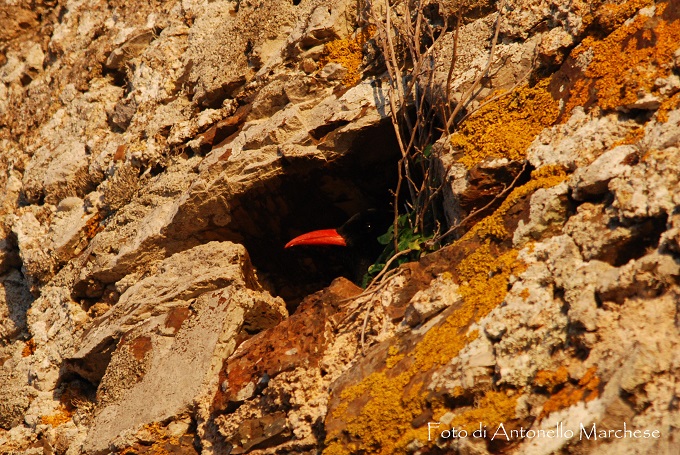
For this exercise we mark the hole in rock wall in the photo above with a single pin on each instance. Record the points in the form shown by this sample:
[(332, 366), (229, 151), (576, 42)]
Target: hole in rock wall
[(644, 239), (310, 195)]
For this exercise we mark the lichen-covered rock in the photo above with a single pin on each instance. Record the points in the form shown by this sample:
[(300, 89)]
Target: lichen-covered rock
[(547, 214), (281, 401), (155, 158)]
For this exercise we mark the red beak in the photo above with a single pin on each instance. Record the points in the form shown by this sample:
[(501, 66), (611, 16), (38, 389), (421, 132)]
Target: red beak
[(322, 237)]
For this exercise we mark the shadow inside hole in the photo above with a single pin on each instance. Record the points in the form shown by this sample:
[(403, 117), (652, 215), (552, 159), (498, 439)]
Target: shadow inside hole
[(322, 197)]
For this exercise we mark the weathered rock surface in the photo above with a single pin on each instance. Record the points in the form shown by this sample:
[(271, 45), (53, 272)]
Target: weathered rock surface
[(156, 157)]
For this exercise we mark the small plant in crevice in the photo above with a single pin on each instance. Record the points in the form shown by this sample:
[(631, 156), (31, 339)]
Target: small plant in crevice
[(411, 35), (411, 243), (417, 42)]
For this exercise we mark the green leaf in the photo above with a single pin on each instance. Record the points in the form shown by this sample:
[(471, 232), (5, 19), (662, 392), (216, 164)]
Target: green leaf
[(387, 237), (403, 243), (375, 268), (403, 221), (414, 245), (406, 239)]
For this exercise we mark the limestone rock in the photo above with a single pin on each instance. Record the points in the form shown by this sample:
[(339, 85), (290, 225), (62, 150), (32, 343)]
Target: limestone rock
[(15, 401), (578, 141), (547, 214), (172, 343), (650, 189), (15, 299), (425, 304), (593, 180), (155, 158)]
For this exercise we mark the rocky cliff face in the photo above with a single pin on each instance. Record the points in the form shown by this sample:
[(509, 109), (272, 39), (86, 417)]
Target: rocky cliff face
[(156, 156)]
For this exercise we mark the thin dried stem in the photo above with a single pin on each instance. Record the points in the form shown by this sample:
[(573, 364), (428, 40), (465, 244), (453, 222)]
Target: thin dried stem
[(476, 212), (387, 266), (452, 66), (364, 325), (467, 96), (409, 41)]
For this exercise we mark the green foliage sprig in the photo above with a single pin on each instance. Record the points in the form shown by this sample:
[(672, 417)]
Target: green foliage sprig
[(409, 238)]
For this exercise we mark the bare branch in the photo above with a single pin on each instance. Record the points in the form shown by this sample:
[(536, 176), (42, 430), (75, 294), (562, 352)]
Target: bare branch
[(499, 96), (467, 96), (452, 65), (476, 212), (387, 266)]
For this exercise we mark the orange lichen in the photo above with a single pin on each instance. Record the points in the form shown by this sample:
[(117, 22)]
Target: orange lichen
[(506, 127), (349, 53), (613, 15), (73, 396), (627, 62), (492, 409), (390, 406), (550, 379), (667, 105), (29, 348), (487, 277), (393, 356), (60, 417), (586, 390), (94, 226), (545, 177)]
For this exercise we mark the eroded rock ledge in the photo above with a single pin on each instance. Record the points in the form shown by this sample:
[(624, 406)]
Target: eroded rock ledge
[(157, 156)]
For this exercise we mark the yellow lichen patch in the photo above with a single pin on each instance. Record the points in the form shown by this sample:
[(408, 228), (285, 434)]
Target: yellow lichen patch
[(481, 294), (386, 416), (389, 401), (546, 176), (492, 409), (487, 287), (506, 127), (348, 52), (393, 356), (668, 105), (389, 406), (587, 389), (492, 226), (60, 417), (626, 62)]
